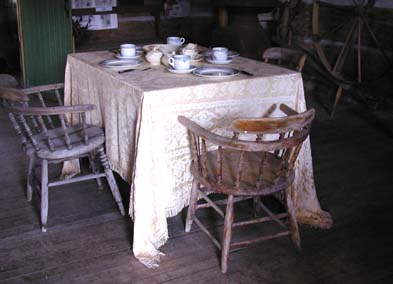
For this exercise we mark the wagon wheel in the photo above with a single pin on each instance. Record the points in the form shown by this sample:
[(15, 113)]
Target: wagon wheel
[(355, 52)]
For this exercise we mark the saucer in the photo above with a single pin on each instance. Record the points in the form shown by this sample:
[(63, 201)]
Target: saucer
[(210, 60), (181, 71), (231, 53), (197, 58), (136, 56)]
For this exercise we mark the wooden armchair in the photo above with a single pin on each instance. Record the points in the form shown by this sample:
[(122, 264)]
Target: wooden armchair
[(290, 58), (46, 138), (244, 169)]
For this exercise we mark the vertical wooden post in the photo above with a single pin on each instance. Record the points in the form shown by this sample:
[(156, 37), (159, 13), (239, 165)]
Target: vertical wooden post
[(359, 51), (222, 17), (284, 23), (21, 45)]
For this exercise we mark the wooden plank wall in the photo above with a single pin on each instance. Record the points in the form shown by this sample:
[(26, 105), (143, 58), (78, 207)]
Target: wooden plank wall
[(45, 34)]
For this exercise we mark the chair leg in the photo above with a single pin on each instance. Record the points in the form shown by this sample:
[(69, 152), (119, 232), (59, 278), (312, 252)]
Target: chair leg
[(95, 170), (226, 243), (30, 178), (257, 207), (44, 194), (295, 236), (192, 206), (111, 180)]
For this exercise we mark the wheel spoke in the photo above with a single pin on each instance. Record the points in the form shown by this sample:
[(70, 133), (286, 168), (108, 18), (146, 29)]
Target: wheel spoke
[(338, 8), (336, 29), (359, 51), (376, 40), (383, 23), (315, 17), (343, 53)]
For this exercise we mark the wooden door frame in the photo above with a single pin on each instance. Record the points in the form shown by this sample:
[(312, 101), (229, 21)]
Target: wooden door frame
[(21, 45)]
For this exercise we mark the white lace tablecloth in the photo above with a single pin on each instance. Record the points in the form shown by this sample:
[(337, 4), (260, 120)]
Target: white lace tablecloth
[(148, 147)]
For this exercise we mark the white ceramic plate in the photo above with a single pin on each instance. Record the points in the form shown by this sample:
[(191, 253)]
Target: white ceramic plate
[(210, 60), (186, 71), (215, 72), (121, 63), (231, 53)]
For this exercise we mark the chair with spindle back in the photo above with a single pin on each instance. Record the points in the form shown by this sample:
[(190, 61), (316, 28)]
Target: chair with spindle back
[(287, 57), (247, 169), (47, 139)]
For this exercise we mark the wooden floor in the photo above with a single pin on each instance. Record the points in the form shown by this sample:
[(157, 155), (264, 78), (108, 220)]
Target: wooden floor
[(89, 242)]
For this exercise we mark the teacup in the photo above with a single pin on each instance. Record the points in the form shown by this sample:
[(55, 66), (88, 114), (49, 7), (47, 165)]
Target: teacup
[(219, 53), (127, 50), (174, 40), (180, 62)]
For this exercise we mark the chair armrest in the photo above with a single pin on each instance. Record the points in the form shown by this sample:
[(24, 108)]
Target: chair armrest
[(43, 88), (53, 110), (241, 145), (12, 94), (287, 110), (271, 125)]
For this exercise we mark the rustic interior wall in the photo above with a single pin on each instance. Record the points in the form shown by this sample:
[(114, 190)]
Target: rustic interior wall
[(244, 33), (9, 52), (140, 27)]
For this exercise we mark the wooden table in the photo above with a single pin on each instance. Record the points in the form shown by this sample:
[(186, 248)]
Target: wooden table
[(148, 147)]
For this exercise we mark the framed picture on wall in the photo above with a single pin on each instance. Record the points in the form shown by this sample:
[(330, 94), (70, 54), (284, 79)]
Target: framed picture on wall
[(177, 8)]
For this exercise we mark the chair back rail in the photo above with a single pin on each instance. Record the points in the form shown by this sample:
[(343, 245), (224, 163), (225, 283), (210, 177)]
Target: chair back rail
[(43, 88), (38, 114), (36, 122), (290, 132), (287, 55)]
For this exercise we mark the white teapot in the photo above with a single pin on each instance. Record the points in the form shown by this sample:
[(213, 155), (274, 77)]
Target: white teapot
[(154, 56)]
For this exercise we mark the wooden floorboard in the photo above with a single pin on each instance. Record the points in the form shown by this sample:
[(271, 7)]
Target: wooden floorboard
[(89, 242)]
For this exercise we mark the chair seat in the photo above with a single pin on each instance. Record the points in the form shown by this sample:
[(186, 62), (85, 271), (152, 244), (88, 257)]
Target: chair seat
[(95, 134), (270, 182)]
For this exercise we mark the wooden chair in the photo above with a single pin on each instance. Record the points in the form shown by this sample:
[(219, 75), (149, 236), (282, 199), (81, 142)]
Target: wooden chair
[(244, 169), (290, 58), (47, 139)]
